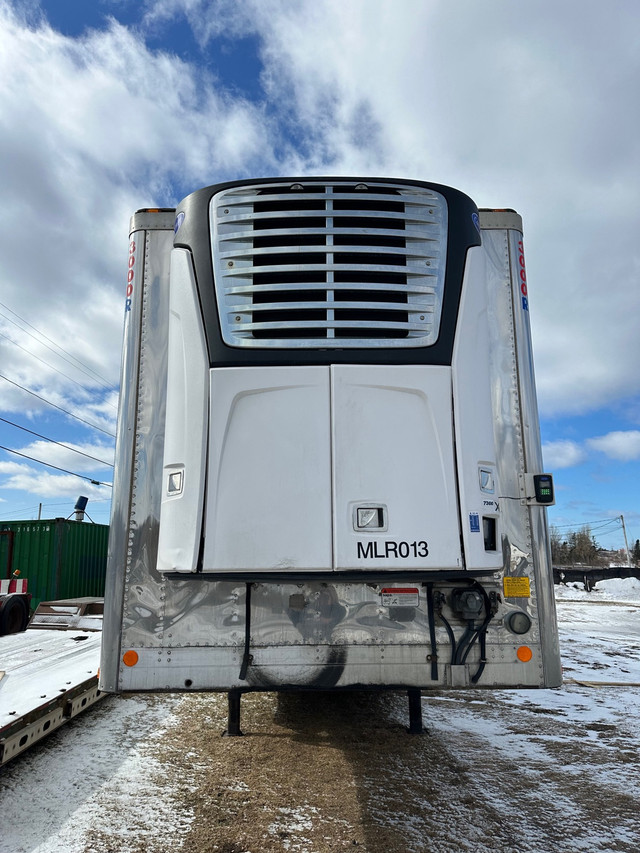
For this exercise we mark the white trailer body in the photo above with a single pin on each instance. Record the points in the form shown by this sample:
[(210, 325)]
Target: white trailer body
[(329, 471)]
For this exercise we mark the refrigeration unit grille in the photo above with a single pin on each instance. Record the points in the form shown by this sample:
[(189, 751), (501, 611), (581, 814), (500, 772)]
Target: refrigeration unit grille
[(340, 265)]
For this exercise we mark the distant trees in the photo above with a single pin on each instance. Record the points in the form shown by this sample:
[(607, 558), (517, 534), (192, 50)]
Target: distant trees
[(635, 553), (578, 547)]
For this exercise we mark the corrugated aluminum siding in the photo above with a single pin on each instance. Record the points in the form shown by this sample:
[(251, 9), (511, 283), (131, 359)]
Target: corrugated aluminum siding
[(59, 558)]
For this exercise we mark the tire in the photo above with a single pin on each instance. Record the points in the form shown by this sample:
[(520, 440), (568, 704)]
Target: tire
[(14, 615)]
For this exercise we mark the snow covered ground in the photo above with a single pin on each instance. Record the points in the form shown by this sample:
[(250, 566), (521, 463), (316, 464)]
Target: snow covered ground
[(526, 771)]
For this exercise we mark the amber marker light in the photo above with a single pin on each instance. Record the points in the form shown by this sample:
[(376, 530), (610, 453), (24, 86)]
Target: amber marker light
[(130, 658), (524, 654)]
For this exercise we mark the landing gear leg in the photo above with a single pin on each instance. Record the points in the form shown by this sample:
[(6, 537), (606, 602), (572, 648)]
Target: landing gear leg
[(415, 712), (233, 722)]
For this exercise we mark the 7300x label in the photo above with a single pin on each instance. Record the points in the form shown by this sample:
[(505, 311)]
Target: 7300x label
[(374, 550)]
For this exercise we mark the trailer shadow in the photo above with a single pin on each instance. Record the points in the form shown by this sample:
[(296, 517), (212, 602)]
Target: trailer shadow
[(492, 772), (414, 793)]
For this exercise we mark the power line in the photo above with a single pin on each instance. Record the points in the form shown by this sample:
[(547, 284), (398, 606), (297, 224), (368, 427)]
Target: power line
[(56, 467), (42, 361), (87, 371), (20, 510), (23, 510), (59, 443), (590, 524), (59, 408), (607, 533)]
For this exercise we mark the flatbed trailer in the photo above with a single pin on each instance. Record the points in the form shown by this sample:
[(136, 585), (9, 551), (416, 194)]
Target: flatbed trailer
[(590, 575), (47, 677)]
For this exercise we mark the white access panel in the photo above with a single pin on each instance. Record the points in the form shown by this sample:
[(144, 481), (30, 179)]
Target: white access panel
[(268, 503), (183, 473), (392, 437)]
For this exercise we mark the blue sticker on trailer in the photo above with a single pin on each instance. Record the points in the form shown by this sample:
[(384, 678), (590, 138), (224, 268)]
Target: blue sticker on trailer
[(474, 522)]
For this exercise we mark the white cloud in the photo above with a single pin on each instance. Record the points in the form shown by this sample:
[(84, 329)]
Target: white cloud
[(562, 454), (46, 485), (622, 445), (521, 108), (90, 130), (518, 107), (77, 457), (529, 110), (12, 468)]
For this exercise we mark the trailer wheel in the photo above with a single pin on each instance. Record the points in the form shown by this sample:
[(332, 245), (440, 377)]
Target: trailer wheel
[(14, 615)]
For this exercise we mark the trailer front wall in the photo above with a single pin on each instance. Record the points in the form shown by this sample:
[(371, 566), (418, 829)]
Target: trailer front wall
[(282, 629)]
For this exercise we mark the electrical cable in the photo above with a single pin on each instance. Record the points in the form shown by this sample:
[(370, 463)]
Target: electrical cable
[(465, 642), (56, 467), (42, 361), (483, 658), (59, 408), (482, 635), (448, 629), (59, 443), (577, 528), (84, 367), (20, 511)]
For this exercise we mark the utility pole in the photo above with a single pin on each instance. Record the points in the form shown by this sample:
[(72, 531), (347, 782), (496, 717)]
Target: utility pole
[(626, 544)]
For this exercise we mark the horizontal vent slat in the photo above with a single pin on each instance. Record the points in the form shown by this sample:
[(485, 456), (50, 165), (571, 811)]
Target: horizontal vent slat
[(380, 249), (365, 286), (422, 235), (331, 324), (418, 217), (413, 307), (272, 268)]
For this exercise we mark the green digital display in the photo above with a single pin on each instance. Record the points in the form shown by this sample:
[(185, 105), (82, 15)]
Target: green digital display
[(543, 485)]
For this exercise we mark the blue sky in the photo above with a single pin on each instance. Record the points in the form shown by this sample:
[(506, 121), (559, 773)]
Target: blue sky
[(108, 106)]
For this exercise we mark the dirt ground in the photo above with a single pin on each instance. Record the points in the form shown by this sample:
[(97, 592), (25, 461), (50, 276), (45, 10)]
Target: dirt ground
[(329, 772), (495, 772)]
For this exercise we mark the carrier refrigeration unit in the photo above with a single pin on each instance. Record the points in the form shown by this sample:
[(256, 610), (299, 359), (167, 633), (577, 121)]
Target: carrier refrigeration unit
[(329, 472)]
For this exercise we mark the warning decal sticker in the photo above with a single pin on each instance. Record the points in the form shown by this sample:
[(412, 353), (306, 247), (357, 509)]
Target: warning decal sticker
[(399, 597), (516, 587)]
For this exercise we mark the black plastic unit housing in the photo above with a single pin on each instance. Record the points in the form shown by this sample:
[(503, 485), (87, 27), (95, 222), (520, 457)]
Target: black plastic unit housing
[(195, 235)]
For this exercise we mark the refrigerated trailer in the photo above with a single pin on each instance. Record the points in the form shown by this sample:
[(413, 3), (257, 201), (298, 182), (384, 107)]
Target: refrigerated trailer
[(329, 472)]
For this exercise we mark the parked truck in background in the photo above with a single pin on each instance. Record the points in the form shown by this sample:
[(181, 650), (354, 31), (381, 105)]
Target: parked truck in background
[(328, 467), (15, 604)]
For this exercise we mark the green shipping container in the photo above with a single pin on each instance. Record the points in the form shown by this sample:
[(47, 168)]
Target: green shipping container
[(59, 558)]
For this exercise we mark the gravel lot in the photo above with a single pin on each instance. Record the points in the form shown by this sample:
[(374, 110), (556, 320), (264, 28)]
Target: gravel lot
[(506, 771)]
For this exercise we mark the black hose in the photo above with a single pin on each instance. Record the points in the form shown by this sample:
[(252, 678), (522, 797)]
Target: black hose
[(483, 657), (451, 635), (481, 635), (472, 634), (465, 642)]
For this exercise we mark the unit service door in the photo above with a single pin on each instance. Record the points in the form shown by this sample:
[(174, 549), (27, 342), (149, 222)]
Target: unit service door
[(394, 486), (268, 502)]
